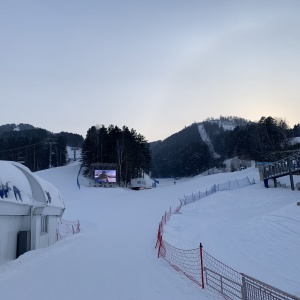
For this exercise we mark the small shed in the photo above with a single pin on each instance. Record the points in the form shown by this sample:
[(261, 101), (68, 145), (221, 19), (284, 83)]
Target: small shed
[(141, 183), (29, 210)]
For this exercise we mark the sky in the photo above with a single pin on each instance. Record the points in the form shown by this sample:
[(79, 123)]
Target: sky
[(155, 66), (253, 230)]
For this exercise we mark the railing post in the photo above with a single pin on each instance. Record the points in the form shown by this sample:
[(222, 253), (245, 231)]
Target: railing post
[(158, 234), (291, 175), (201, 265), (244, 288), (221, 283)]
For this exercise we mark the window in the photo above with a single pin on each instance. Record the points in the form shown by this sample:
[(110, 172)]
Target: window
[(44, 224)]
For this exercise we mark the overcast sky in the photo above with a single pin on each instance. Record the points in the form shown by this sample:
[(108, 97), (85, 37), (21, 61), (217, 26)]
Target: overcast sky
[(155, 66)]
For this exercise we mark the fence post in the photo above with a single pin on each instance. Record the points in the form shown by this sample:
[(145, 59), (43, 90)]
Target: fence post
[(244, 288), (237, 183), (160, 238), (73, 230), (201, 265), (158, 233)]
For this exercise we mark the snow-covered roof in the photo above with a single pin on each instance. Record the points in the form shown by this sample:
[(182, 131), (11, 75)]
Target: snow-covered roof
[(19, 185)]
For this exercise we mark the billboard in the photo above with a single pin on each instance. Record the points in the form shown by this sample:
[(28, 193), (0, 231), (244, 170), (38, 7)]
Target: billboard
[(105, 176)]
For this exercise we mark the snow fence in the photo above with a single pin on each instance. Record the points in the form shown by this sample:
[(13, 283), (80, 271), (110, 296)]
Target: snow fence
[(66, 228), (205, 270), (226, 186)]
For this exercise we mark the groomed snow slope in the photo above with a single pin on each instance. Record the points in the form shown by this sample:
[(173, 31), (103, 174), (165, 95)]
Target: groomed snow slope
[(114, 257)]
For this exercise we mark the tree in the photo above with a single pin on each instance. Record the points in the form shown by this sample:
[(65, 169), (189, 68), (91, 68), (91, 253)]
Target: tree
[(128, 149)]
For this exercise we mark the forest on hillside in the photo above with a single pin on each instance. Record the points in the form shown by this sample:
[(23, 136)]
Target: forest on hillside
[(185, 154), (182, 154), (36, 148)]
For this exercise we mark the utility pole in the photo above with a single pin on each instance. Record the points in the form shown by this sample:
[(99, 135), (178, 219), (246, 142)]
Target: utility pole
[(50, 155), (34, 158), (51, 141)]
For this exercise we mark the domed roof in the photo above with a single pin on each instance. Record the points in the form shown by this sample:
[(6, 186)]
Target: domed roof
[(19, 184)]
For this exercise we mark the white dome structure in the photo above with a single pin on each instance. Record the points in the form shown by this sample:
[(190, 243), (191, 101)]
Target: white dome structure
[(29, 209)]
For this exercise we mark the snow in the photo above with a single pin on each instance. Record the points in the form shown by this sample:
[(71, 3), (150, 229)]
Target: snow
[(227, 126), (11, 174), (14, 177), (205, 138), (253, 230), (295, 140)]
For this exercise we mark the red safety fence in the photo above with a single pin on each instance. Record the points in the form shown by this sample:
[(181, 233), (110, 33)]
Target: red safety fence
[(206, 271), (186, 261), (66, 228)]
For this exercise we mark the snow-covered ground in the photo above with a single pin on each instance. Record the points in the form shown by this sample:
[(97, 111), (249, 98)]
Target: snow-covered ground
[(254, 230), (295, 140)]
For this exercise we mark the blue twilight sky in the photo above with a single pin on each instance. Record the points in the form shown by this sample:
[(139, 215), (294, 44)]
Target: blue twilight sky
[(155, 66)]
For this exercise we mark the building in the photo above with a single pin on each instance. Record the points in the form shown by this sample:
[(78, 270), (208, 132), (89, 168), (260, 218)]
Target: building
[(29, 210)]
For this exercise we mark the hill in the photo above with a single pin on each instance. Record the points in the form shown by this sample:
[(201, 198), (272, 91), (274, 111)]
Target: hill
[(208, 144), (8, 130), (36, 148), (253, 229)]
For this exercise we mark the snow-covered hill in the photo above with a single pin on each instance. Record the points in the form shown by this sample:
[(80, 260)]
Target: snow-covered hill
[(225, 123), (205, 138), (254, 230)]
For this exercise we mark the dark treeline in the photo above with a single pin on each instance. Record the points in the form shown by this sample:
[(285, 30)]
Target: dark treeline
[(35, 148), (185, 154), (181, 154), (13, 127), (126, 148), (266, 140), (72, 139)]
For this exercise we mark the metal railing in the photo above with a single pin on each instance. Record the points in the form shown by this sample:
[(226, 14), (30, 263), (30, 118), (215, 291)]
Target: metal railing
[(253, 289), (282, 167), (227, 287)]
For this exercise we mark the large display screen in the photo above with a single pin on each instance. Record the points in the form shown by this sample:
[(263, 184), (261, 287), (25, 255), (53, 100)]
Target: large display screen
[(105, 176)]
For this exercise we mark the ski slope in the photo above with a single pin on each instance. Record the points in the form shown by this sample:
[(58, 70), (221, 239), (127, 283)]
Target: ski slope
[(253, 229)]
